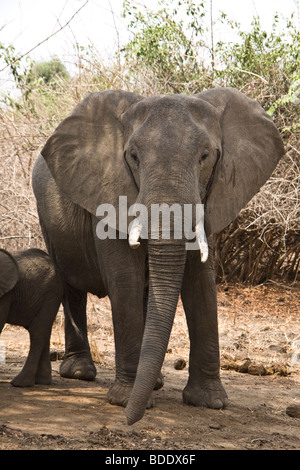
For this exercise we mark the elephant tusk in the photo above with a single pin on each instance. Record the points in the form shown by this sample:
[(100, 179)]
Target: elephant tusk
[(202, 241), (134, 234)]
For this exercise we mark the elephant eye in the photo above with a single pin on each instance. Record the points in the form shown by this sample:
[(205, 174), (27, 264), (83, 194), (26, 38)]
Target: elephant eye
[(135, 159), (204, 155)]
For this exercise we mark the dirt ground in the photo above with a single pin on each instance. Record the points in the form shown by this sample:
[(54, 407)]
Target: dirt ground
[(259, 323)]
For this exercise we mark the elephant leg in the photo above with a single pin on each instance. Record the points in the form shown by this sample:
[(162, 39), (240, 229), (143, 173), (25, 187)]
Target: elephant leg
[(128, 324), (204, 387), (77, 363), (44, 373), (37, 368), (26, 378), (4, 310)]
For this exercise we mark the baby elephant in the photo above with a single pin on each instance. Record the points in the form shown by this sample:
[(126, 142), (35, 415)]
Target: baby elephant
[(30, 295)]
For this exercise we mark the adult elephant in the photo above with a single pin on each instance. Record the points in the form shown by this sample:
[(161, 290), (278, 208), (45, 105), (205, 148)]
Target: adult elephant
[(218, 147)]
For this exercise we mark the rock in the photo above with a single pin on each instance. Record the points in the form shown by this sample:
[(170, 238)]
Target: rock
[(179, 364), (293, 411), (277, 369), (296, 357), (256, 369), (243, 365), (228, 362), (215, 426), (239, 365)]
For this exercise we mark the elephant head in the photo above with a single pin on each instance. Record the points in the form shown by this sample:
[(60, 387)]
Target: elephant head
[(217, 148), (9, 272)]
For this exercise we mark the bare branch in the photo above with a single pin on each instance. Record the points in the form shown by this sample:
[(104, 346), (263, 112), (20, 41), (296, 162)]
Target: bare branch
[(251, 73), (46, 39)]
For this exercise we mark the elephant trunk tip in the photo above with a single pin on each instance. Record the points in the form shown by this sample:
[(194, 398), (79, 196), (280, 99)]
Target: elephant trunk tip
[(132, 416)]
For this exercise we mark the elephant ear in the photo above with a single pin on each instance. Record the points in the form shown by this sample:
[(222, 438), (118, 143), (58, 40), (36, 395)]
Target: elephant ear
[(9, 272), (85, 152), (251, 149)]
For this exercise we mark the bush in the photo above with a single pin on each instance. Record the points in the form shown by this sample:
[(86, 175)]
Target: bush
[(264, 240), (48, 72), (169, 47)]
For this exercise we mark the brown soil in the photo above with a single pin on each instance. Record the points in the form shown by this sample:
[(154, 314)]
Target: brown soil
[(259, 323)]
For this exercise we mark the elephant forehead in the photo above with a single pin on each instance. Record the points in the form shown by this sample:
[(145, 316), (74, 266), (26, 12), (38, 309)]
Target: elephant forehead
[(170, 105), (167, 114)]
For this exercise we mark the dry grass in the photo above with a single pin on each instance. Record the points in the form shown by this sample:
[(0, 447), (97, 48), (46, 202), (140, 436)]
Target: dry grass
[(19, 142)]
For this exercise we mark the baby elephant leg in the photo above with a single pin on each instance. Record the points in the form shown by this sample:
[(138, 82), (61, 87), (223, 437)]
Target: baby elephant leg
[(37, 368)]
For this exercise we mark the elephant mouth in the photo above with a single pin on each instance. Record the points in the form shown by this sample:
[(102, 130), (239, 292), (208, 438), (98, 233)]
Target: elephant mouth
[(163, 230)]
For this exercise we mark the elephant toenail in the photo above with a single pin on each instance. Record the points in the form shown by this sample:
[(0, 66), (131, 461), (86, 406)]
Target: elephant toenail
[(217, 404)]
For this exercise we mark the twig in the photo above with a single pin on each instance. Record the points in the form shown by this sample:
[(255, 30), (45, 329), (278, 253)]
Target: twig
[(251, 73), (44, 40), (12, 236), (212, 38), (293, 148)]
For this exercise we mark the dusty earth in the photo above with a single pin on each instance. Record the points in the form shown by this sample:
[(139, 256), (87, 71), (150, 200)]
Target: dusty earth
[(259, 323)]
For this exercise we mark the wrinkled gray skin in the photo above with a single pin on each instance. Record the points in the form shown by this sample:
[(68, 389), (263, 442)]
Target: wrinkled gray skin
[(30, 295), (218, 147)]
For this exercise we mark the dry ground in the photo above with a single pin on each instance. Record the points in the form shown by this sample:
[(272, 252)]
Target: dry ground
[(260, 323)]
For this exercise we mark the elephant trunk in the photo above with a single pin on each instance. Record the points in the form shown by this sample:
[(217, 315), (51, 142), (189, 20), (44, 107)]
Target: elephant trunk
[(166, 268)]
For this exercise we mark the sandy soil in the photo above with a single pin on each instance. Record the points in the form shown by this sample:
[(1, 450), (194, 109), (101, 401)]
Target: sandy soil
[(261, 324)]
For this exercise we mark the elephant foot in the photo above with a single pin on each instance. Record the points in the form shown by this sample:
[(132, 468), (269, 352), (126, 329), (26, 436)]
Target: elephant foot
[(78, 367), (119, 394), (207, 392), (23, 381), (28, 379), (43, 379)]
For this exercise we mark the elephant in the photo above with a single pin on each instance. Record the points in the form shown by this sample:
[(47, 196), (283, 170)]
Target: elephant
[(30, 295), (212, 150)]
